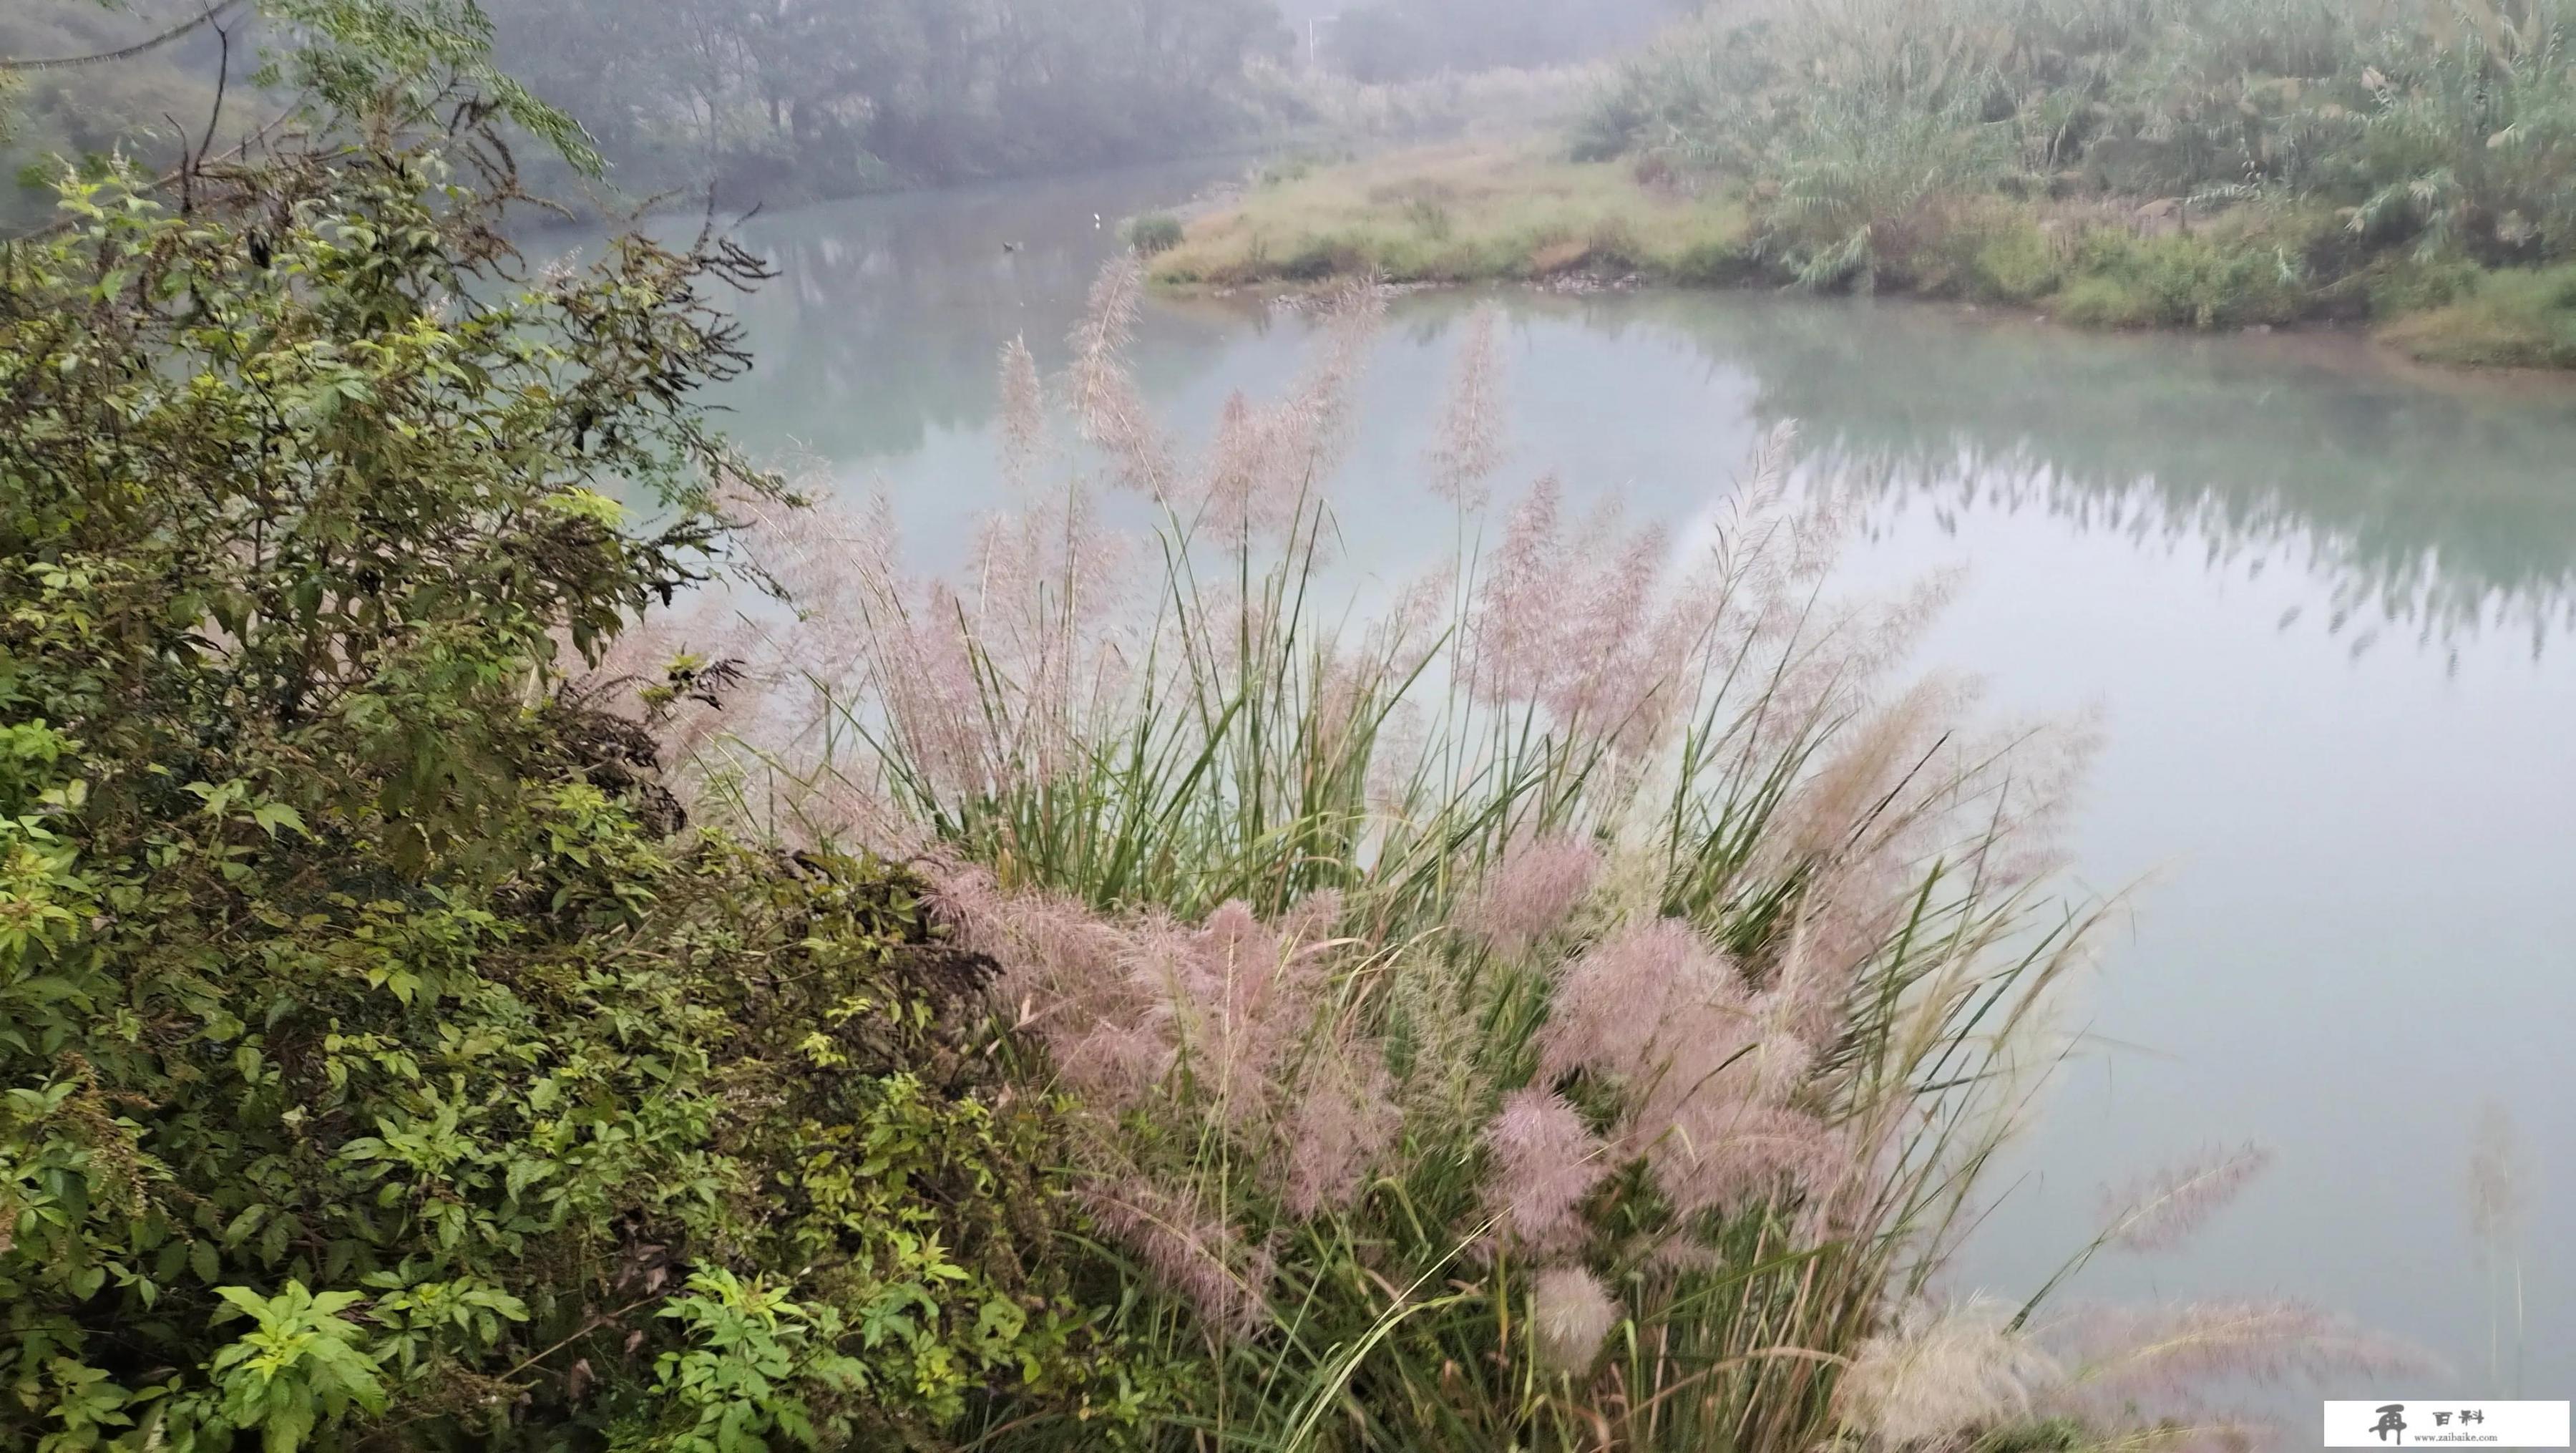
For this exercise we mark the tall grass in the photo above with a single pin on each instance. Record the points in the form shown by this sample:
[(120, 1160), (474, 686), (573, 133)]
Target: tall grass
[(2444, 125), (1573, 1006)]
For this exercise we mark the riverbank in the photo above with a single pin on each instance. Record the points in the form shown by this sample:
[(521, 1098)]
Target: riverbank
[(1482, 213)]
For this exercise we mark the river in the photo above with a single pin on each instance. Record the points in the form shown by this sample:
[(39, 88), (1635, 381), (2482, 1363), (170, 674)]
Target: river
[(2322, 600)]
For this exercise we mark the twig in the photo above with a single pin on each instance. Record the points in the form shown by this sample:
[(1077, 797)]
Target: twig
[(241, 150), (223, 80), (187, 172), (60, 63)]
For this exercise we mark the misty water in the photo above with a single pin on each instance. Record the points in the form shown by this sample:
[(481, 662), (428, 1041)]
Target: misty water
[(2323, 604)]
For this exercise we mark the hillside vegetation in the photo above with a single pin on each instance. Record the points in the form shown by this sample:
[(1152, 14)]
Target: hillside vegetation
[(765, 103), (2125, 163)]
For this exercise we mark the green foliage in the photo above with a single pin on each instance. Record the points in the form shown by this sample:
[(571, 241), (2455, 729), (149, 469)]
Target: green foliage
[(406, 57), (2120, 280), (2519, 319), (345, 66), (1155, 233), (2445, 128), (749, 1348), (352, 981), (2009, 260), (302, 1365)]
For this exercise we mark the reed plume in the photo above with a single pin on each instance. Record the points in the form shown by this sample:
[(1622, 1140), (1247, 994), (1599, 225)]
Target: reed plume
[(1582, 997)]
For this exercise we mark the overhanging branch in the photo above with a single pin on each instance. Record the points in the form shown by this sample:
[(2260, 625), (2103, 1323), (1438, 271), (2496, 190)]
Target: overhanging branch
[(184, 28)]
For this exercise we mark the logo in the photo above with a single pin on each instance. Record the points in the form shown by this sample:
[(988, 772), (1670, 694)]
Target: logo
[(2461, 1421)]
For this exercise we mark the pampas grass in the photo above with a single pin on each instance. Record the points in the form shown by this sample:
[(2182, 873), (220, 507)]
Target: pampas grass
[(1573, 1008)]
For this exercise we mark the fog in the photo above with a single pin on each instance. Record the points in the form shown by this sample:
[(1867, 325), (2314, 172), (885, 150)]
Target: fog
[(776, 102), (1393, 40)]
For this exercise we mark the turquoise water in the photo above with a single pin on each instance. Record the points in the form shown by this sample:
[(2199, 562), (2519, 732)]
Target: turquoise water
[(2322, 601)]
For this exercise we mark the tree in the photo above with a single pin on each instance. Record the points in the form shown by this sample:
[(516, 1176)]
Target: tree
[(786, 98)]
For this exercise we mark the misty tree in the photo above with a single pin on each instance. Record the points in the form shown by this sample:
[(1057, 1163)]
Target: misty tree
[(784, 96), (1392, 40)]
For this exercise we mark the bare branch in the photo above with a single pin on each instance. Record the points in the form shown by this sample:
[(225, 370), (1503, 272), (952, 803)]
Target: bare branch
[(223, 78), (176, 32)]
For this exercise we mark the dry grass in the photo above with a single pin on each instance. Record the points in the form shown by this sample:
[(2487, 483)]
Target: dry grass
[(1464, 212)]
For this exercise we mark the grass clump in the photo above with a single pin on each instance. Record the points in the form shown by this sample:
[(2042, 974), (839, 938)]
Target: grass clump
[(1155, 233), (1572, 1005), (2120, 280), (2503, 320), (1999, 253)]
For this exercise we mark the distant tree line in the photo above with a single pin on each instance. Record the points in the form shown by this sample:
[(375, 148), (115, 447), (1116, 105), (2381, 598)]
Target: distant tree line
[(1397, 40), (790, 97), (772, 100), (785, 100)]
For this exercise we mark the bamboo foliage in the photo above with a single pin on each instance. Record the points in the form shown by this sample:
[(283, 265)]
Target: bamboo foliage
[(2444, 125)]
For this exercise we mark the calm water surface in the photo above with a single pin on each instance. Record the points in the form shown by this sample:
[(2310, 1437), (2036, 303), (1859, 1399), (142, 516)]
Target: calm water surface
[(2323, 603)]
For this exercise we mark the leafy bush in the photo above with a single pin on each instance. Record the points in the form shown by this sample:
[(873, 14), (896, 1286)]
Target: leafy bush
[(2520, 319), (2119, 280), (378, 1064), (1155, 233)]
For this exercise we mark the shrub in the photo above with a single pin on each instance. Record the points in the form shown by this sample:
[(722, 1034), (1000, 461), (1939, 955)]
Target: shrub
[(2120, 280), (1715, 262), (1155, 233), (379, 1065), (2511, 319), (2013, 262), (1316, 259)]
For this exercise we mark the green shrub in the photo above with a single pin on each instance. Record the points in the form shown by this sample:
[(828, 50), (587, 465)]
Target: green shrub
[(2405, 284), (2014, 263), (375, 1057), (1155, 233), (1994, 252), (2516, 319), (1318, 258), (1715, 262), (2199, 281)]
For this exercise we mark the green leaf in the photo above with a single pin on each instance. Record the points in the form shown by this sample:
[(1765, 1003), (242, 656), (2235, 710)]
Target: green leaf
[(273, 816)]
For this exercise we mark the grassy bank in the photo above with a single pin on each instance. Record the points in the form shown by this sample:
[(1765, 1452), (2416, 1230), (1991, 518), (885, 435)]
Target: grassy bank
[(1457, 214), (2524, 319), (1468, 214)]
